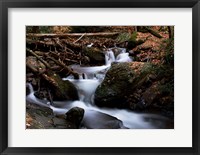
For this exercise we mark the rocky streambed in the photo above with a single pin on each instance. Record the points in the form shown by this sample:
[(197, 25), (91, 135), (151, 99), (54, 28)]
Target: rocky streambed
[(130, 96)]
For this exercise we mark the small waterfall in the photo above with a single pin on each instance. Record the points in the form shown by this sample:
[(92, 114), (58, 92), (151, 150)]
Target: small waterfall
[(95, 71), (109, 57), (31, 97), (30, 87), (123, 57), (86, 88), (116, 55), (90, 70)]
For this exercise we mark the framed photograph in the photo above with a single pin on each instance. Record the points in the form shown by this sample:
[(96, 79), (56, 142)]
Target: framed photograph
[(108, 77)]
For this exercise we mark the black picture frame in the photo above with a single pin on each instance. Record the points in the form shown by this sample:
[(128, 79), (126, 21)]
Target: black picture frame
[(6, 4)]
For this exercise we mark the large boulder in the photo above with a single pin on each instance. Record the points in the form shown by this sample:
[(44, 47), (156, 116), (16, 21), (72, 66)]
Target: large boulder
[(138, 86), (121, 80)]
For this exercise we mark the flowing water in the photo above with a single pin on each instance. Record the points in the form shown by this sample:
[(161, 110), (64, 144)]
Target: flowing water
[(95, 117)]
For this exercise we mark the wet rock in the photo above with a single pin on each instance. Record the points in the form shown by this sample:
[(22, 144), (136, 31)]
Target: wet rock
[(95, 55), (120, 82), (61, 123), (75, 116), (98, 120), (39, 117)]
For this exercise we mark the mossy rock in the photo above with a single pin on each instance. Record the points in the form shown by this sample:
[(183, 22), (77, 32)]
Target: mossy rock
[(120, 81), (61, 90)]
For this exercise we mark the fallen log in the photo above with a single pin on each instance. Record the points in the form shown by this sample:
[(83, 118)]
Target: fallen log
[(146, 29), (102, 34), (154, 33)]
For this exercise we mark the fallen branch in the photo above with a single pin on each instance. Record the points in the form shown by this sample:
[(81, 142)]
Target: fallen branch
[(60, 57), (47, 43), (44, 62), (50, 44), (32, 68), (79, 38), (76, 75), (50, 97), (70, 51), (40, 53)]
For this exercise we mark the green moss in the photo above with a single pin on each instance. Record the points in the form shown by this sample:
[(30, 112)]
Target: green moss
[(167, 88), (122, 37), (133, 42), (133, 37)]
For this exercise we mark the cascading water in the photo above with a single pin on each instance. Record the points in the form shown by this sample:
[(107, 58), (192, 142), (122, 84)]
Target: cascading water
[(109, 57), (123, 57), (95, 117)]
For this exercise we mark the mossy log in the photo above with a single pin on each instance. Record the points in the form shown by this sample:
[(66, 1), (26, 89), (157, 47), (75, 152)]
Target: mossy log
[(146, 29), (154, 33)]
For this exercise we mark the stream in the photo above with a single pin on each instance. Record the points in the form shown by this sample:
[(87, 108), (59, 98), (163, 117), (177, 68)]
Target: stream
[(96, 117)]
